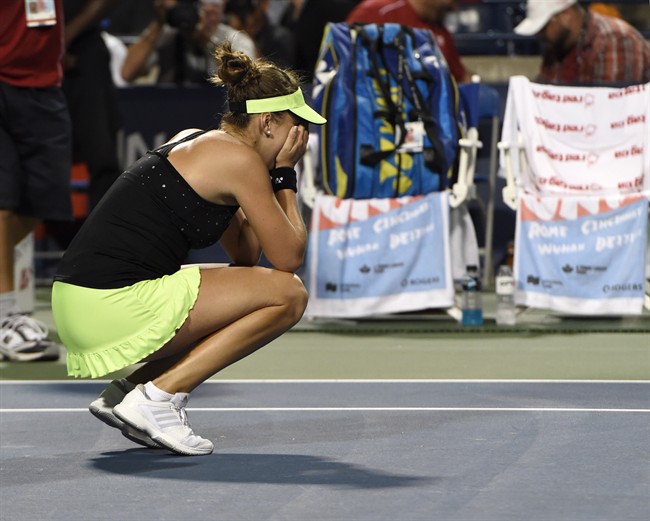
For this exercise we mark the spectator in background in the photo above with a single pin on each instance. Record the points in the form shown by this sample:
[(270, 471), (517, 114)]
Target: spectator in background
[(585, 47), (605, 9), (308, 34), (35, 143), (181, 40), (421, 14), (273, 41), (90, 93)]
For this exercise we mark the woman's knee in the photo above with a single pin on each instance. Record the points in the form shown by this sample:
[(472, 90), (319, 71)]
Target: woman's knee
[(295, 298), (291, 295)]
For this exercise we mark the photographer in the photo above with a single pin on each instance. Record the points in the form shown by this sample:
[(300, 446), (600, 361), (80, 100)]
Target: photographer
[(181, 40)]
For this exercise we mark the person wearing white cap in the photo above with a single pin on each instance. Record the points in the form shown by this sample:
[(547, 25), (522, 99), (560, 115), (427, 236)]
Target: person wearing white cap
[(180, 42), (580, 46), (120, 296)]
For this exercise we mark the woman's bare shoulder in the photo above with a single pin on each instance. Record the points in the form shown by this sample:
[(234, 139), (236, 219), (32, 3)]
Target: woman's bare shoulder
[(232, 151), (184, 133), (211, 144)]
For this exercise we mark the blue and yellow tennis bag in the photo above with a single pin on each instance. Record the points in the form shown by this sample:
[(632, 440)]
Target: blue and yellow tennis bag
[(392, 112)]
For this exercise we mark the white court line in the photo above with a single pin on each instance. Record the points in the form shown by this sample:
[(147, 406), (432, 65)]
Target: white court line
[(361, 409)]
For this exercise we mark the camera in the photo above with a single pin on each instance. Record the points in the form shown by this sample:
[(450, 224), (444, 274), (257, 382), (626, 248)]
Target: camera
[(184, 15)]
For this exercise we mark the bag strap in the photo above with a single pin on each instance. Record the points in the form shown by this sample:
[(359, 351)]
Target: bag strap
[(369, 156), (434, 158)]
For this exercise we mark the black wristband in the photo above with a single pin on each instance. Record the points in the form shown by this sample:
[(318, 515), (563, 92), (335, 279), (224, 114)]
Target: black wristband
[(284, 178)]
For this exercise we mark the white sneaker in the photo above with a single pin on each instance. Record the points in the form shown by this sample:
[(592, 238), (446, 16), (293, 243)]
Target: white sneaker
[(102, 409), (24, 339), (165, 422)]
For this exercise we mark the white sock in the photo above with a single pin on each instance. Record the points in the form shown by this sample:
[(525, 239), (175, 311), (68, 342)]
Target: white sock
[(156, 394), (8, 304)]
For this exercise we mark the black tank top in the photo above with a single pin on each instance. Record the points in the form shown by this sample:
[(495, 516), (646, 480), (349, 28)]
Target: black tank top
[(144, 227)]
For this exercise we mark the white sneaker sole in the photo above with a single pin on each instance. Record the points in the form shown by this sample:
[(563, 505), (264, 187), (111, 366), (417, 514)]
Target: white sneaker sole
[(137, 422), (108, 419), (46, 351), (112, 421), (139, 437)]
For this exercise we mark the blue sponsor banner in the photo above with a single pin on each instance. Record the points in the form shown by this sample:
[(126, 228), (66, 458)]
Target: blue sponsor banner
[(591, 263), (379, 255)]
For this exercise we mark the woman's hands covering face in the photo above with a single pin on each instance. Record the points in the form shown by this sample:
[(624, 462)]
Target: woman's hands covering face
[(294, 147)]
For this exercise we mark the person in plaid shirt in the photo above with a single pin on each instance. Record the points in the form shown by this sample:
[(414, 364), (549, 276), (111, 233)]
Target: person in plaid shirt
[(582, 46)]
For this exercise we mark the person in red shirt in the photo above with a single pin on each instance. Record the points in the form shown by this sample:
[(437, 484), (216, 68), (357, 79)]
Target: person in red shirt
[(35, 147), (420, 14), (582, 46)]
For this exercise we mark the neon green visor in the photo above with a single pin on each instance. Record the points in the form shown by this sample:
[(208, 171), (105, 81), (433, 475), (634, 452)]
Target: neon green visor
[(294, 103)]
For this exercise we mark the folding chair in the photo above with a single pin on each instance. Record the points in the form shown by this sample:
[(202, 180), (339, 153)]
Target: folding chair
[(480, 102), (577, 167), (457, 248)]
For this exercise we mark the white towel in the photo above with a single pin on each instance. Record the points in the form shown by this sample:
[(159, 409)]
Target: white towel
[(581, 255), (580, 140), (376, 256)]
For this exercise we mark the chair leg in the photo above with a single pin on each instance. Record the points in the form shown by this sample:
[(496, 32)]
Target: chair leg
[(489, 217)]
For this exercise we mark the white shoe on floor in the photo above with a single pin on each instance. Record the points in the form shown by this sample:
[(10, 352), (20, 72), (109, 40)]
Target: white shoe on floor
[(24, 339), (165, 422), (102, 409)]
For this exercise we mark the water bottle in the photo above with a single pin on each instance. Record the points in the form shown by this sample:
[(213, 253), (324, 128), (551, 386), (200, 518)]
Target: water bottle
[(471, 301), (505, 290)]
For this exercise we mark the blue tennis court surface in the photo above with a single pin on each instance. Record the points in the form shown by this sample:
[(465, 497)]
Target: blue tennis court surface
[(339, 450)]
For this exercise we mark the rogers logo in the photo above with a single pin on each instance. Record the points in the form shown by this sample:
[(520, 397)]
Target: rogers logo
[(590, 130), (419, 281), (622, 288)]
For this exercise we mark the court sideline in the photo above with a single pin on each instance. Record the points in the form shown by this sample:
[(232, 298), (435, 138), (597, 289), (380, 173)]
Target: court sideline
[(401, 418), (340, 450)]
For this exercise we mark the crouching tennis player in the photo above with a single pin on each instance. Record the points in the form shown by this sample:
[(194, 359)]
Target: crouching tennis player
[(120, 296)]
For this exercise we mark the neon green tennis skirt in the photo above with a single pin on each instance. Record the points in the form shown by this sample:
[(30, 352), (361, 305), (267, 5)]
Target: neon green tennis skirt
[(105, 330)]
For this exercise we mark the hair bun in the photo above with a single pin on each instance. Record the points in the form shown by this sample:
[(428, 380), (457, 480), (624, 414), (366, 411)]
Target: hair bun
[(233, 67)]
